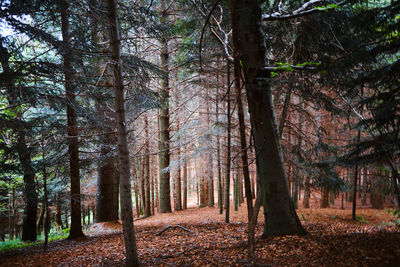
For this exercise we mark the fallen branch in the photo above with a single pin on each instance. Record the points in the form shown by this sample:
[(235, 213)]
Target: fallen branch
[(173, 227)]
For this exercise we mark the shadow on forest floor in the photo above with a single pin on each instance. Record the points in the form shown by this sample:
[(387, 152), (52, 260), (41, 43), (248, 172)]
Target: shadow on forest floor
[(333, 240)]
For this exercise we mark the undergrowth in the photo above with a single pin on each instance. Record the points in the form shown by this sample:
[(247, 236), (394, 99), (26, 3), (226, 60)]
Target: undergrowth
[(18, 243)]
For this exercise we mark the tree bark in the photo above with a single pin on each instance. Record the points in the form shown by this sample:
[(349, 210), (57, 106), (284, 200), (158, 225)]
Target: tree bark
[(185, 185), (76, 227), (178, 178), (228, 147), (281, 216), (220, 199), (58, 211), (105, 187), (123, 151), (147, 207), (164, 154)]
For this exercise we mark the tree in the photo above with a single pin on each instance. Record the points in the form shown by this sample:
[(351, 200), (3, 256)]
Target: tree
[(164, 153), (24, 152), (73, 146), (247, 33), (123, 152)]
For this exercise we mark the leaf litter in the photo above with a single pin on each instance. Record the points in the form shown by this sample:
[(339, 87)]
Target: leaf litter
[(333, 240)]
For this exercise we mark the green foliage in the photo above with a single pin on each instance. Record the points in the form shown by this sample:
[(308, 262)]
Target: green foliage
[(303, 217), (327, 7), (361, 219), (17, 243)]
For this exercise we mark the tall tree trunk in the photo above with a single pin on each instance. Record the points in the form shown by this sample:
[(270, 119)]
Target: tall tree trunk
[(164, 154), (178, 178), (228, 147), (123, 151), (76, 227), (210, 169), (220, 199), (47, 209), (185, 185), (244, 156), (142, 187), (152, 195), (282, 218), (147, 207)]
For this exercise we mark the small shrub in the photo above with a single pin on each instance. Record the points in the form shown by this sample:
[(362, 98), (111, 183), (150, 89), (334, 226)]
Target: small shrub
[(361, 219)]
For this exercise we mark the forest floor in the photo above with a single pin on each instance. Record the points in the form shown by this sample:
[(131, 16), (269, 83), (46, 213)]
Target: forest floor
[(333, 240)]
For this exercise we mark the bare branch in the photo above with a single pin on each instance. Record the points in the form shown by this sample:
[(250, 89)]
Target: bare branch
[(302, 11)]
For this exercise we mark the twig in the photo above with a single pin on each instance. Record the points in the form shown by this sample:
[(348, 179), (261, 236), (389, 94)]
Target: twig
[(173, 227)]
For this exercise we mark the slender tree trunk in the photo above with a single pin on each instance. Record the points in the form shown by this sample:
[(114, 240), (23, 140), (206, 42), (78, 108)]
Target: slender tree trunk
[(236, 191), (123, 151), (185, 185), (76, 226), (164, 154), (147, 207), (228, 147), (41, 218), (178, 182), (210, 169), (282, 218), (47, 209), (306, 198), (244, 156), (142, 187), (220, 200), (152, 195)]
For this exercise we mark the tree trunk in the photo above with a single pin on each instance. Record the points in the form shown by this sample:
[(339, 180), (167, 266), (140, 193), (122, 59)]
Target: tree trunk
[(39, 226), (142, 187), (220, 200), (123, 151), (185, 185), (152, 195), (324, 198), (105, 187), (228, 147), (164, 154), (244, 156), (307, 192), (147, 207), (116, 190), (76, 227), (281, 216), (210, 169), (58, 211)]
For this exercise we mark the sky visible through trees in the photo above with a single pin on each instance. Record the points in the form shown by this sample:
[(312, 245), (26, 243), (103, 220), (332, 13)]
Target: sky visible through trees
[(266, 115)]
